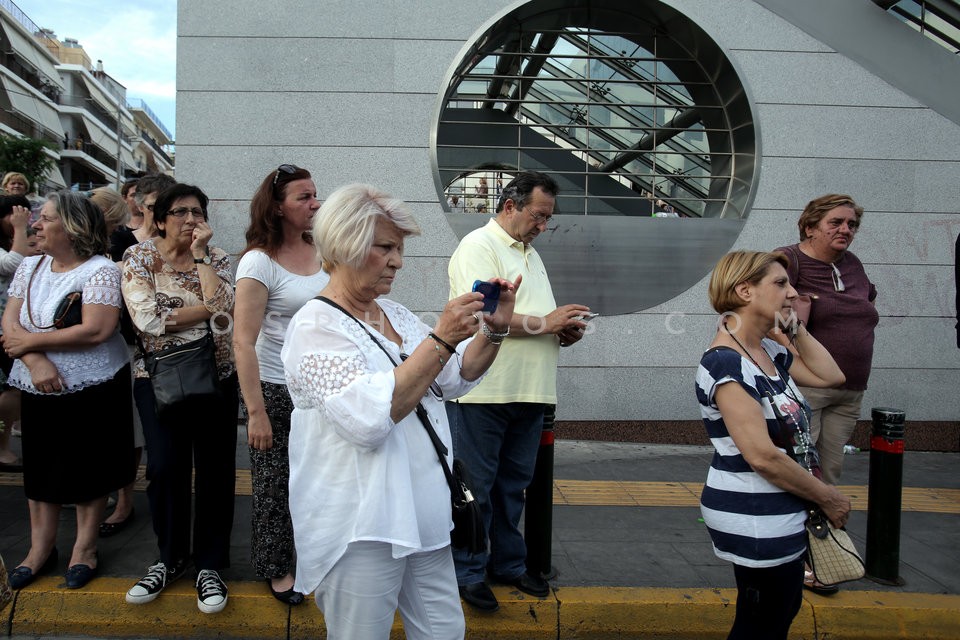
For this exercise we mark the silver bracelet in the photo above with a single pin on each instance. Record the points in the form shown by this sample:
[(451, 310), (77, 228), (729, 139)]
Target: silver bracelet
[(493, 336)]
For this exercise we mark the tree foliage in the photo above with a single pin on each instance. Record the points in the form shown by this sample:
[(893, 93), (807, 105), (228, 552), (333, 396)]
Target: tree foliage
[(27, 156)]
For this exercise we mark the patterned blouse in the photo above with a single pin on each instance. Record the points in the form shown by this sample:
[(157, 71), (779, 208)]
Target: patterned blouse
[(152, 289)]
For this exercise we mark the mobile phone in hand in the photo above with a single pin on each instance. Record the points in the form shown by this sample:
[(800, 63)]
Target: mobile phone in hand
[(491, 295)]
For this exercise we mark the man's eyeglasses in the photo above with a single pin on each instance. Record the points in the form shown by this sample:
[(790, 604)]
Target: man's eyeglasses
[(540, 219), (837, 281), (434, 387), (288, 169), (181, 212)]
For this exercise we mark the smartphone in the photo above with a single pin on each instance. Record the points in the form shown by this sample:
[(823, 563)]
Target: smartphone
[(491, 295)]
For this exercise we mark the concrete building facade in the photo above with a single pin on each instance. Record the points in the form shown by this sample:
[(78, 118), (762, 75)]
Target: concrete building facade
[(353, 91)]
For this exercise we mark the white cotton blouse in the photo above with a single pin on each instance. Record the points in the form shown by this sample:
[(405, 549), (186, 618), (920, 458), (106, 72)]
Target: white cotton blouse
[(99, 280), (354, 473), (286, 293)]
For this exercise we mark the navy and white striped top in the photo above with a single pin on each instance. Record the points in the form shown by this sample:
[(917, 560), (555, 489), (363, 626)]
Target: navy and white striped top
[(752, 522)]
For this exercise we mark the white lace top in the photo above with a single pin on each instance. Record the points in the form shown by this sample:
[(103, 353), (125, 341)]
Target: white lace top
[(354, 473), (99, 280)]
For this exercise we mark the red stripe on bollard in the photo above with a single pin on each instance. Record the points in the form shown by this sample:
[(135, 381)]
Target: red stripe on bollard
[(879, 443), (546, 438)]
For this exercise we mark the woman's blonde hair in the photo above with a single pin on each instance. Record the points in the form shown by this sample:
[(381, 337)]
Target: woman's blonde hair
[(113, 206), (737, 267), (10, 175), (344, 226)]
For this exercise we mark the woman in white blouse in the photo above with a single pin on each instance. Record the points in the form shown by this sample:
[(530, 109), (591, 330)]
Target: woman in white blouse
[(370, 504), (73, 451), (278, 273)]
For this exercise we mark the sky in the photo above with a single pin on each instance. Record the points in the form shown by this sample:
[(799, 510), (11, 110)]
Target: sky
[(137, 41)]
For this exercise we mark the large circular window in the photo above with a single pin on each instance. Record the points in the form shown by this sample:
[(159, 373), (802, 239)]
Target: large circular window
[(638, 115)]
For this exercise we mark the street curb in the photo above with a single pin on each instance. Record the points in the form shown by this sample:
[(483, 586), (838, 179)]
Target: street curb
[(46, 608)]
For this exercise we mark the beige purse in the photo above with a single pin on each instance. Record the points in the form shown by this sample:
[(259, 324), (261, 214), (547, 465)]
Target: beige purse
[(833, 556)]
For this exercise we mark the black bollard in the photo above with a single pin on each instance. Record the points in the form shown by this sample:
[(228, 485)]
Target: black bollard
[(538, 510), (884, 495)]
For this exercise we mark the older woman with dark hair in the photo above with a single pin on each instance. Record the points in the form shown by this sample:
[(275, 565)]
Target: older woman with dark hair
[(765, 470), (177, 288), (278, 273), (370, 503), (74, 452)]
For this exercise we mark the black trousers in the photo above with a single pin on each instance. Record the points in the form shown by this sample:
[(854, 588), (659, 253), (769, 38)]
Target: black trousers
[(201, 436), (768, 600)]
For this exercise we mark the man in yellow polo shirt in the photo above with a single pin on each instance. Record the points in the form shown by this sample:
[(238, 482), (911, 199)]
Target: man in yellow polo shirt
[(496, 427)]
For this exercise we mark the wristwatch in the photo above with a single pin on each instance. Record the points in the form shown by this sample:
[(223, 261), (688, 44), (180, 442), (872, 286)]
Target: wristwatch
[(203, 260)]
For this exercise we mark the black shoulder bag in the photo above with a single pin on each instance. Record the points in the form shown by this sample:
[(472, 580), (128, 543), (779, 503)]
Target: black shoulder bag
[(468, 530), (69, 311), (185, 371)]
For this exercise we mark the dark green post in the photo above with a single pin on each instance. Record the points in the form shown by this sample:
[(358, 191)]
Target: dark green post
[(538, 510), (884, 494)]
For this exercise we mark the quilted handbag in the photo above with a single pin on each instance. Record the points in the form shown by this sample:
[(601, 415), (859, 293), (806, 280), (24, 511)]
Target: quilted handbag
[(833, 556)]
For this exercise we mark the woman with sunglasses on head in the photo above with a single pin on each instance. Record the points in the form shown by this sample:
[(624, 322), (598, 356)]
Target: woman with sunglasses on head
[(178, 288), (69, 366), (765, 471), (278, 273), (369, 499), (843, 316)]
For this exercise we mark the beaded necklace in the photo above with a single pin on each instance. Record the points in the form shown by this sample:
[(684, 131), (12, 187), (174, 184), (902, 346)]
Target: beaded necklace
[(804, 451)]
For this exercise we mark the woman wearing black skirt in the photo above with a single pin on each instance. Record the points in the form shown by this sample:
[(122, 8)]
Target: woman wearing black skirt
[(69, 367)]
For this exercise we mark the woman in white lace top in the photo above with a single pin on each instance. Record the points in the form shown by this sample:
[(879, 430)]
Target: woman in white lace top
[(369, 500), (73, 450)]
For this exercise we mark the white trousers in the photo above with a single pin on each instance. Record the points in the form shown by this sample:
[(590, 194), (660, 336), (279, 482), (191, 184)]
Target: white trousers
[(363, 590), (835, 414)]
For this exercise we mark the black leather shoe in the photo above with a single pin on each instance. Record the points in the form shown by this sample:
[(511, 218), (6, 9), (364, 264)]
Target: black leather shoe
[(533, 585), (480, 596), (289, 596), (23, 576), (79, 575), (108, 529)]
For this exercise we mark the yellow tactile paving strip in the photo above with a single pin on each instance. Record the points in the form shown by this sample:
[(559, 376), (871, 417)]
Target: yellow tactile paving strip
[(622, 493)]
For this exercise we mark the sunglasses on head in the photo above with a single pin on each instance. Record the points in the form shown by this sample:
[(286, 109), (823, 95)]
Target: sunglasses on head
[(288, 169)]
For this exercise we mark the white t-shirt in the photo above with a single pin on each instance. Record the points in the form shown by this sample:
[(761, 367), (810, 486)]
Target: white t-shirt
[(355, 474), (286, 293)]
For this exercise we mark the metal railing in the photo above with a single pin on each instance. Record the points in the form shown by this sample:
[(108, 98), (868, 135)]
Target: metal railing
[(22, 18), (610, 114), (938, 20), (140, 104)]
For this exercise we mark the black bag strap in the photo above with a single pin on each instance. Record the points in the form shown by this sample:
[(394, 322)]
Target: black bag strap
[(441, 449)]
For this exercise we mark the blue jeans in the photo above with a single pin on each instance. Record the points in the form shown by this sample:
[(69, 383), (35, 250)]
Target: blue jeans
[(498, 443)]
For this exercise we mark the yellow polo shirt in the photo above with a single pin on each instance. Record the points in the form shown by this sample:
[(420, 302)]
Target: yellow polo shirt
[(526, 368)]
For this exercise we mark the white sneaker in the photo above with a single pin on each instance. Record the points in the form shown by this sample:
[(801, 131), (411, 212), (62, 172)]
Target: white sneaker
[(211, 592)]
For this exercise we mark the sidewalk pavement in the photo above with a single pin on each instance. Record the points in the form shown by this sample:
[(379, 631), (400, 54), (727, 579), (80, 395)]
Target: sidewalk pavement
[(633, 560)]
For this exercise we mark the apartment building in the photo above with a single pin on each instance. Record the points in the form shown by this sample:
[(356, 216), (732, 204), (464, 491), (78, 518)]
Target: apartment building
[(52, 91)]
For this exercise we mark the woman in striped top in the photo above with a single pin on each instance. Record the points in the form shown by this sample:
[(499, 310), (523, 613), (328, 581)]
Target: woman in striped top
[(765, 470)]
